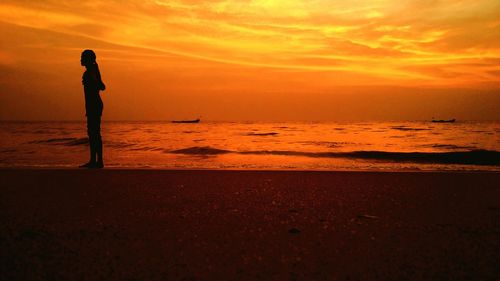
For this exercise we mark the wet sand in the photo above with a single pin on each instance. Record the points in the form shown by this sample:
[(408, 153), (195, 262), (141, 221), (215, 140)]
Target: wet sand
[(248, 225)]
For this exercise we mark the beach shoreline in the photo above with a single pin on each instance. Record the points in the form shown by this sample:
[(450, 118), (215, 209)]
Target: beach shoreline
[(339, 170), (197, 224)]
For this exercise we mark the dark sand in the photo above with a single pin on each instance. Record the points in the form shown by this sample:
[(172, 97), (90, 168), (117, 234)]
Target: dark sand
[(248, 225)]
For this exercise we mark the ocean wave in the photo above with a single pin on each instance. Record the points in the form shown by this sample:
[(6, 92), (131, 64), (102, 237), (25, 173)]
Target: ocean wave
[(53, 140), (77, 141), (404, 128), (146, 148), (118, 144), (450, 146), (326, 143), (63, 141), (200, 150), (81, 141), (262, 134), (472, 157)]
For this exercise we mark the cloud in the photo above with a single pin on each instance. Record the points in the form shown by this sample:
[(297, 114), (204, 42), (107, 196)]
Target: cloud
[(390, 39)]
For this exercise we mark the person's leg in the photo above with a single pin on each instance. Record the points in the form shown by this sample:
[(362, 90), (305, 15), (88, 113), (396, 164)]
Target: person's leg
[(92, 146), (91, 121), (98, 142)]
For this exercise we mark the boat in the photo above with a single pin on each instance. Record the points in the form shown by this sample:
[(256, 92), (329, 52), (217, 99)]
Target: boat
[(187, 121), (443, 121)]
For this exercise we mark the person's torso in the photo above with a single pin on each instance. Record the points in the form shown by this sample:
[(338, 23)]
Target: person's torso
[(93, 102)]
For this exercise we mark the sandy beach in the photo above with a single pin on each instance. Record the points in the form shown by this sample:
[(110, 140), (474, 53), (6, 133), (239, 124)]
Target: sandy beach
[(248, 225)]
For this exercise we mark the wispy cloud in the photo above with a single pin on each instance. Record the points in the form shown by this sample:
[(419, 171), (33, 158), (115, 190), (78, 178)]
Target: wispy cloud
[(424, 41)]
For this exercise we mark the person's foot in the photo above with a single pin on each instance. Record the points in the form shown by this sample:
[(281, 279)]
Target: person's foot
[(88, 165), (98, 165)]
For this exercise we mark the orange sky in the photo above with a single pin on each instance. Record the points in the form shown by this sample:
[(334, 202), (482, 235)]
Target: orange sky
[(254, 60)]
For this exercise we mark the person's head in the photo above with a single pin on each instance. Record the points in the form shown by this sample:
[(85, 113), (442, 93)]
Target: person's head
[(88, 58)]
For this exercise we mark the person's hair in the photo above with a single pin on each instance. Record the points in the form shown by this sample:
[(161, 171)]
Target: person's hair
[(89, 55)]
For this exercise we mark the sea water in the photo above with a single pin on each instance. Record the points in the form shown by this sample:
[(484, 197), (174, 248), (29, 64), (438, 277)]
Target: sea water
[(463, 145)]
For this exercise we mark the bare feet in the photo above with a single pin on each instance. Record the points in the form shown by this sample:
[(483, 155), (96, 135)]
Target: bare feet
[(93, 165), (88, 165)]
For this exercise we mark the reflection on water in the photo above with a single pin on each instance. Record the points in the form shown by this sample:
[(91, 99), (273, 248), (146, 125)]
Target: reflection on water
[(315, 146)]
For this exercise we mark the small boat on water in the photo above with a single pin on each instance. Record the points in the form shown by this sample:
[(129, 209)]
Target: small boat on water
[(443, 121), (187, 121)]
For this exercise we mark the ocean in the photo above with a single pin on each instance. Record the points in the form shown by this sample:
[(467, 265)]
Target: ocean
[(373, 146)]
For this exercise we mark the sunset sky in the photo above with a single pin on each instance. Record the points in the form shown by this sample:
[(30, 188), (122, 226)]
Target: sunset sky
[(253, 60)]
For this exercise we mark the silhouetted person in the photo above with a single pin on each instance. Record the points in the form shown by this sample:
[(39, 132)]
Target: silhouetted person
[(92, 84)]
